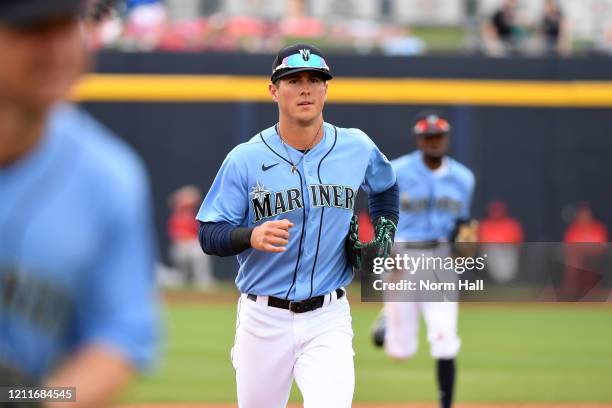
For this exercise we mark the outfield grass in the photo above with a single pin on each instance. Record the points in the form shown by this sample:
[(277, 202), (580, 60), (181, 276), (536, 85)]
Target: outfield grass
[(509, 354)]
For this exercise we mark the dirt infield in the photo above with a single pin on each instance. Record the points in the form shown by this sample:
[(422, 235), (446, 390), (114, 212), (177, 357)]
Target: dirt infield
[(372, 405)]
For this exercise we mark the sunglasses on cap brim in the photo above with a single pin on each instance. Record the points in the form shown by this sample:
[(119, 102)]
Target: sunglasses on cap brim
[(298, 61)]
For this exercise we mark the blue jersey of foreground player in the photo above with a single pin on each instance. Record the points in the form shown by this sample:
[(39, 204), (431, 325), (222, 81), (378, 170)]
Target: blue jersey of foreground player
[(431, 201), (76, 249), (255, 184)]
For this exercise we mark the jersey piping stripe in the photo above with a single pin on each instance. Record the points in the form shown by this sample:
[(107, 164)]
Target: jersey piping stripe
[(273, 151), (297, 262), (359, 90), (299, 257), (314, 264)]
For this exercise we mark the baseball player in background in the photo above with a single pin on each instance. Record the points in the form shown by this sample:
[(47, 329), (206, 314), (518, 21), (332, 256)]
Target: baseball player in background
[(283, 203), (435, 196), (77, 300)]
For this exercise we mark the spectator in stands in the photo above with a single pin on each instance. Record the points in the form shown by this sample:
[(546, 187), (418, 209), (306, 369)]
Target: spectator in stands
[(104, 25), (500, 235), (503, 33), (585, 249), (498, 226), (297, 23), (400, 41), (585, 228), (554, 29), (185, 253), (145, 24), (603, 41)]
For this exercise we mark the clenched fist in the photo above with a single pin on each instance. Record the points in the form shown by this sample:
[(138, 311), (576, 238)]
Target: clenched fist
[(271, 236)]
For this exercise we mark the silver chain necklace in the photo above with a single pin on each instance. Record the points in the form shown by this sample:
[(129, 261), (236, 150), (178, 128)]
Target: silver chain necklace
[(295, 165)]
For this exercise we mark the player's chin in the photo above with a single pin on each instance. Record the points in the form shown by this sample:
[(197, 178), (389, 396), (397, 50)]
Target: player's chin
[(307, 115), (436, 153)]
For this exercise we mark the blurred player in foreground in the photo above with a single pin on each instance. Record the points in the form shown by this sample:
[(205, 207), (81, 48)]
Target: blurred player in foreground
[(283, 202), (77, 300), (435, 197)]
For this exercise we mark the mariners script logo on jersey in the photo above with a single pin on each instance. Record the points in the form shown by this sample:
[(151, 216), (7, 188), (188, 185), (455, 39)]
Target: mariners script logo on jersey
[(443, 204), (268, 203)]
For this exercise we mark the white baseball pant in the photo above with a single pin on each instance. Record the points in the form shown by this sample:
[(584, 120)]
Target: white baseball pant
[(403, 318), (274, 346)]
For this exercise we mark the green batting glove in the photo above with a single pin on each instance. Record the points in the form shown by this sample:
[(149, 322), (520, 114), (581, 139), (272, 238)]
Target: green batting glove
[(362, 254)]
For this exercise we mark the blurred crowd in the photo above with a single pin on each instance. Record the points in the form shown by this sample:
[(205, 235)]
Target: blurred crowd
[(502, 28), (144, 25), (507, 32)]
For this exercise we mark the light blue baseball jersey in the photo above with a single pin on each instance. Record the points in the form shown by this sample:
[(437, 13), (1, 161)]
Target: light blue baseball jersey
[(431, 201), (255, 184), (77, 248)]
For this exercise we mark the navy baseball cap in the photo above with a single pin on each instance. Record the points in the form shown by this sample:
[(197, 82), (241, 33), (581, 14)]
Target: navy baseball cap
[(23, 13), (430, 123), (298, 58)]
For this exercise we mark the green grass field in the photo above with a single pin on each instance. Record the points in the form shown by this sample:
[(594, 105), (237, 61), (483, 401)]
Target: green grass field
[(542, 353)]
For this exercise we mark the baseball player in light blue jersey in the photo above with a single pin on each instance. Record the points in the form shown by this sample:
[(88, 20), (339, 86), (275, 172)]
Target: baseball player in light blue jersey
[(282, 202), (77, 299), (435, 197)]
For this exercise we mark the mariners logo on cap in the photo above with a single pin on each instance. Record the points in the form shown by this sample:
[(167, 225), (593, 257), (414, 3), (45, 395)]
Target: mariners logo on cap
[(305, 53), (432, 119)]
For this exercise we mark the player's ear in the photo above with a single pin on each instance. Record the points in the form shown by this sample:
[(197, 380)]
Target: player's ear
[(273, 89), (326, 84)]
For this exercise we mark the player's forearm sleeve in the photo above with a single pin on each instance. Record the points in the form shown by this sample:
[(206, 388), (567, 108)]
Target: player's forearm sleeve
[(223, 239), (385, 204)]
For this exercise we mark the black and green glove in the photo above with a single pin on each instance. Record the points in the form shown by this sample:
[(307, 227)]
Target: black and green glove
[(362, 254)]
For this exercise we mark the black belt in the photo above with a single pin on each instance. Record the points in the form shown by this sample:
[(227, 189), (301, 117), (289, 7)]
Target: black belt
[(302, 306)]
